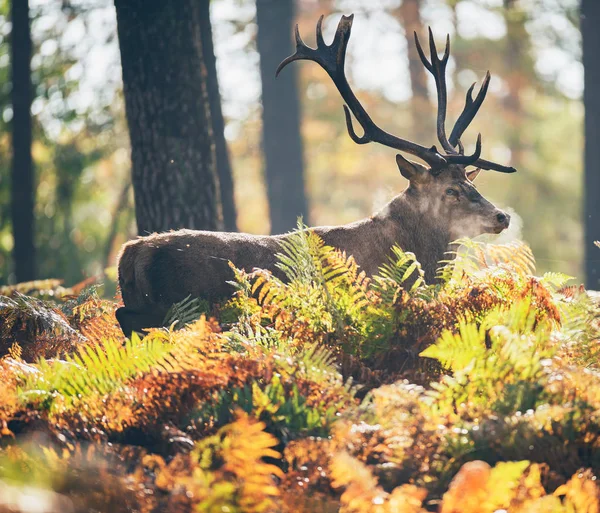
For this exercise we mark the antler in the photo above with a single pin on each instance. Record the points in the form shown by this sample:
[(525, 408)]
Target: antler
[(437, 67), (332, 59), (470, 110), (464, 120)]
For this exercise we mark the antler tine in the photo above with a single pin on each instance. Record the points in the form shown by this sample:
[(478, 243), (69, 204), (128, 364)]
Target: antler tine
[(320, 40), (470, 110), (492, 166), (482, 163), (437, 67), (424, 60), (332, 59), (467, 160)]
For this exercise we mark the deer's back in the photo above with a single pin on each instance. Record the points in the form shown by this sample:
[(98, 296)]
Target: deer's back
[(167, 267)]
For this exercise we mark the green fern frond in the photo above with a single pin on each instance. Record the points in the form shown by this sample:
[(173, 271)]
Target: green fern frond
[(264, 337), (403, 266), (325, 290), (301, 254), (555, 281), (519, 318), (580, 328), (505, 378), (87, 294), (457, 350), (185, 312), (402, 272), (316, 360), (92, 370)]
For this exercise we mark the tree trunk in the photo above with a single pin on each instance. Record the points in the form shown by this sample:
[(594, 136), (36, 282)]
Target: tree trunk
[(516, 77), (282, 142), (22, 187), (174, 171), (421, 113), (214, 98), (590, 20)]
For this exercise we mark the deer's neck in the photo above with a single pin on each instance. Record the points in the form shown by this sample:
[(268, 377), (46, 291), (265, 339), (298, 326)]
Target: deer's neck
[(400, 222), (409, 225)]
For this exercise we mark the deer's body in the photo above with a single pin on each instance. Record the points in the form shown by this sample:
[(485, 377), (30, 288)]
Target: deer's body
[(164, 268), (440, 205), (161, 269)]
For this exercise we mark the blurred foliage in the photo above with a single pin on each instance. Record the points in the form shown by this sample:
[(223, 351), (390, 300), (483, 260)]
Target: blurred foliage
[(79, 135), (531, 119), (327, 392)]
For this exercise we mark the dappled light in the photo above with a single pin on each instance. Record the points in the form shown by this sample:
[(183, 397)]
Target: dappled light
[(476, 393), (299, 256)]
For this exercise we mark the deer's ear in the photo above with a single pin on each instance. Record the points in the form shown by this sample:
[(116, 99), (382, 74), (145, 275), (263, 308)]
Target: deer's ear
[(471, 175), (410, 170)]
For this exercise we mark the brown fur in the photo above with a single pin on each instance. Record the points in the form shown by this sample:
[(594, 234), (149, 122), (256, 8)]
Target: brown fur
[(160, 269)]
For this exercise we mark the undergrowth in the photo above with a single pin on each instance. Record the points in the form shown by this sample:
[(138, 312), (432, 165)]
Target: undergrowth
[(326, 391)]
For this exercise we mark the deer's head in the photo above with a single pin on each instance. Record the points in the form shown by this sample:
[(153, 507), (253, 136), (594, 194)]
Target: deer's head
[(442, 190)]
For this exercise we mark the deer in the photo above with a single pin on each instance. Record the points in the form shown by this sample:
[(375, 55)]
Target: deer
[(440, 205)]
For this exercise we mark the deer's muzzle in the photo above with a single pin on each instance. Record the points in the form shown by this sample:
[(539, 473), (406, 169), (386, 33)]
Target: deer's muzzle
[(501, 221)]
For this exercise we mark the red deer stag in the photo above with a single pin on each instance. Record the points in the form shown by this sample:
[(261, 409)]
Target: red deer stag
[(440, 205)]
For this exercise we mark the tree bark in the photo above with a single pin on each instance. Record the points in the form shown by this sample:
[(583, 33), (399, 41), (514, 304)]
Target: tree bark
[(282, 141), (174, 171), (218, 125), (22, 185), (516, 58), (590, 20), (421, 113)]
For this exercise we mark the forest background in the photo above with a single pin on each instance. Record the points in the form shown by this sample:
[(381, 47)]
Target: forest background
[(532, 119)]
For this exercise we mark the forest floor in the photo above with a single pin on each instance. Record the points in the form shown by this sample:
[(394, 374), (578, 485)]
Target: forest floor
[(328, 392)]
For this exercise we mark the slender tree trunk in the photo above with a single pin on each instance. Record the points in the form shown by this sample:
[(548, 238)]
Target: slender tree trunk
[(22, 191), (282, 141), (174, 171), (216, 113), (590, 20), (120, 206), (516, 78), (421, 113)]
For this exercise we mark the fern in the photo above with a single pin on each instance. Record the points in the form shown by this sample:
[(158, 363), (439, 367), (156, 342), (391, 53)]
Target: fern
[(185, 312), (516, 255), (301, 255), (287, 402), (233, 475), (70, 305), (31, 316), (455, 351), (401, 269), (92, 370), (580, 329), (324, 290), (507, 377), (555, 281), (472, 256), (504, 399)]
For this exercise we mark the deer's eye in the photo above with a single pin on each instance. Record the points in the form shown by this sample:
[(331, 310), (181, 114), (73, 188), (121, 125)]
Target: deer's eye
[(451, 192)]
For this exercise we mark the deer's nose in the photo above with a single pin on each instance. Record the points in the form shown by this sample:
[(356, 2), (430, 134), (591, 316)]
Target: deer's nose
[(503, 218)]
